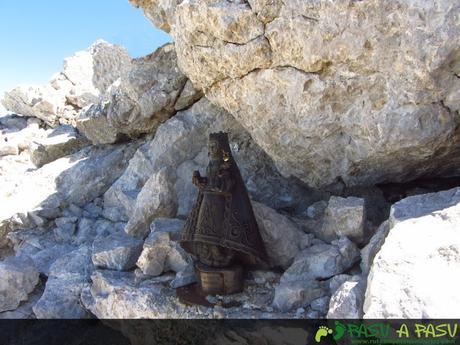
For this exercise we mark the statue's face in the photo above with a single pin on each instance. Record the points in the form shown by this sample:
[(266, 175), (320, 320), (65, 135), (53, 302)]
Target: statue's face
[(213, 149)]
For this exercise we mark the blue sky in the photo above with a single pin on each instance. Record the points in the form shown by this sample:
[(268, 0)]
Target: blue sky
[(36, 35)]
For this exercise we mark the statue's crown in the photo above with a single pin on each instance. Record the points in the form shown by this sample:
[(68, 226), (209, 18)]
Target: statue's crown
[(220, 137)]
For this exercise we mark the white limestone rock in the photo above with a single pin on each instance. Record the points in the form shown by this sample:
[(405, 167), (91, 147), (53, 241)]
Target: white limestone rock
[(156, 199), (369, 252), (321, 261), (120, 199), (45, 258), (119, 295), (24, 311), (66, 227), (11, 122), (420, 256), (98, 168), (122, 295), (93, 70), (184, 277), (77, 178), (91, 228), (336, 281), (41, 246), (140, 100), (67, 277), (304, 281), (116, 252), (19, 276), (161, 252), (23, 137), (347, 301), (41, 102), (188, 96), (60, 142), (297, 294), (321, 305), (94, 124), (343, 217), (85, 76), (145, 97), (281, 236), (160, 12), (8, 148)]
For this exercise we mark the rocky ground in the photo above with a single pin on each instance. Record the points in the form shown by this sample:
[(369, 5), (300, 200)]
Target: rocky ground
[(352, 180)]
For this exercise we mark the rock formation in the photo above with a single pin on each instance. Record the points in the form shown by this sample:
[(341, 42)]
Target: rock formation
[(352, 91), (335, 111), (424, 245), (85, 76), (152, 89)]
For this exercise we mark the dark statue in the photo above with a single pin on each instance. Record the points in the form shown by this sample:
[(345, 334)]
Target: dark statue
[(221, 231)]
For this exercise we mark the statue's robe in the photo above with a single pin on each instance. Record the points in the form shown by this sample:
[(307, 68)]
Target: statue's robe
[(223, 216)]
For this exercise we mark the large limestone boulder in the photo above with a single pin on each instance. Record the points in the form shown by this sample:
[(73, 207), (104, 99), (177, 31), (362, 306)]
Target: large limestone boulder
[(144, 97), (352, 91), (93, 70), (85, 76), (415, 272), (92, 172), (19, 278)]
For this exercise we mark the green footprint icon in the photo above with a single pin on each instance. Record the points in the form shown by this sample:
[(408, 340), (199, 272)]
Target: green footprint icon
[(321, 332)]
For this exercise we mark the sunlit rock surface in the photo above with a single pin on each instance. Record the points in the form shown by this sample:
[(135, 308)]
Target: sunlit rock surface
[(85, 75), (414, 274), (354, 91)]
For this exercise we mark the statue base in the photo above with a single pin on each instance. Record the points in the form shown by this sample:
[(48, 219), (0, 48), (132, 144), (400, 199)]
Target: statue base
[(220, 281)]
